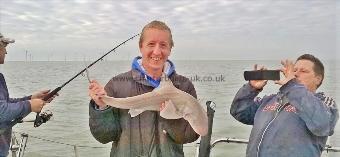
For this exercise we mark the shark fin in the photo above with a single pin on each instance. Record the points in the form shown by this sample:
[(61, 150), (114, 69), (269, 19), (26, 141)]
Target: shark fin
[(169, 111), (135, 112)]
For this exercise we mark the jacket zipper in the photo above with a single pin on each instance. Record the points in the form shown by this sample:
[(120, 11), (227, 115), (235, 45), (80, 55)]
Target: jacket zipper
[(281, 105)]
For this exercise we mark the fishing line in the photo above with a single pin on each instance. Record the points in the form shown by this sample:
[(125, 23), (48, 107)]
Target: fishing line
[(40, 118)]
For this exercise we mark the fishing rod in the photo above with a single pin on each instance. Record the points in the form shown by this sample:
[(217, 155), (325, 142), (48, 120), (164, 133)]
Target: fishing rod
[(39, 119), (42, 118)]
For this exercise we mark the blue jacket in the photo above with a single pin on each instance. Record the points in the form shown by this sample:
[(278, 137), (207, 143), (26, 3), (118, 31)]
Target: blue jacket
[(10, 109), (292, 123)]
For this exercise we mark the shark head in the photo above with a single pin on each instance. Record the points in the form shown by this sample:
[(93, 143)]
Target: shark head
[(165, 81)]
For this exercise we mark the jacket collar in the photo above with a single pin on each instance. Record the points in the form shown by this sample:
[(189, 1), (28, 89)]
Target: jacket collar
[(139, 73)]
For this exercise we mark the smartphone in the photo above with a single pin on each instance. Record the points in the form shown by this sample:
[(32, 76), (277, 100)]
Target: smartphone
[(262, 75)]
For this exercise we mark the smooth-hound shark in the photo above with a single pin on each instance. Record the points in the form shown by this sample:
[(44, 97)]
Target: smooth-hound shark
[(178, 104)]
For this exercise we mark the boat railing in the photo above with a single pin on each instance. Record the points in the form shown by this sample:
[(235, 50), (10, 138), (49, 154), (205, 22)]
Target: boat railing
[(327, 148), (18, 148), (203, 148)]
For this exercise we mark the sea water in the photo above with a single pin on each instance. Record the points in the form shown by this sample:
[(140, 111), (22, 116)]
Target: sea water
[(217, 81)]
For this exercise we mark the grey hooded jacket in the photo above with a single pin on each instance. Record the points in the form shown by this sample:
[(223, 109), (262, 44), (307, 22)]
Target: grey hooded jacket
[(147, 134), (292, 123)]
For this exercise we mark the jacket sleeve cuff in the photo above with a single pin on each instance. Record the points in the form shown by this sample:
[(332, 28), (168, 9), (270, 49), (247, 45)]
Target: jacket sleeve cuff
[(250, 88), (29, 97), (286, 87), (96, 112), (14, 100), (26, 108), (96, 107)]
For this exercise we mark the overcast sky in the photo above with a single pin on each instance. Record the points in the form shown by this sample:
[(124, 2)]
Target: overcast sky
[(208, 29)]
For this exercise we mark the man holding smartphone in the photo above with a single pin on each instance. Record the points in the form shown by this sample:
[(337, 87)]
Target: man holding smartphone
[(296, 121)]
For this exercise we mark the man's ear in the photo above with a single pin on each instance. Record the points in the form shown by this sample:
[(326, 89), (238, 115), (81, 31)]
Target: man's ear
[(318, 80)]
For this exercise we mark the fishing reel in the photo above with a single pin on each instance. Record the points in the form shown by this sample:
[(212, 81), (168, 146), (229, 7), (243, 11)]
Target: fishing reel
[(42, 118)]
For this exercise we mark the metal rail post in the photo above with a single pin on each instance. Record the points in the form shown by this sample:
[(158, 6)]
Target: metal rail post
[(204, 146)]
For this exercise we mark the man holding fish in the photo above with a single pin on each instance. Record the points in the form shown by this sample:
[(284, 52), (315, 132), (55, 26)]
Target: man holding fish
[(146, 134)]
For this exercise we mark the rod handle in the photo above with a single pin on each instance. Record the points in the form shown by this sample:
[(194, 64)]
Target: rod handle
[(51, 94)]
